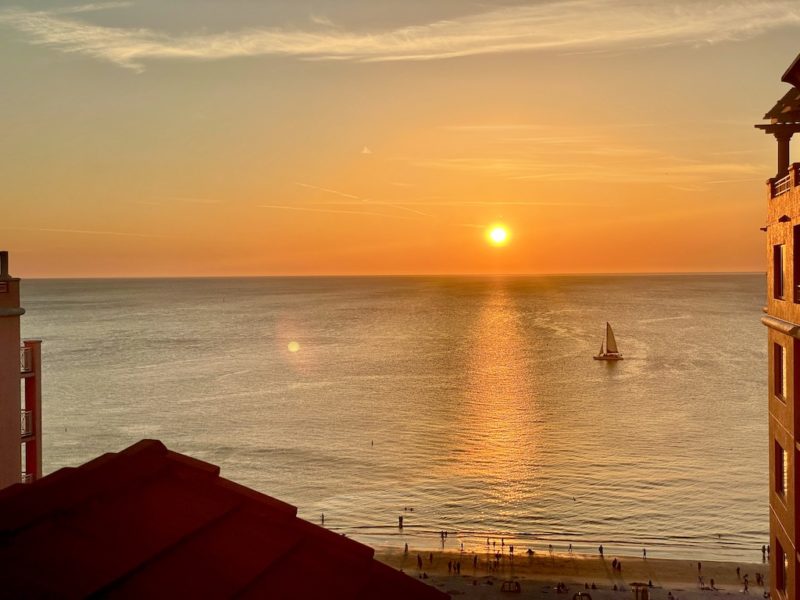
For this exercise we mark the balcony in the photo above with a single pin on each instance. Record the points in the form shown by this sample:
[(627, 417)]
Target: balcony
[(781, 186), (26, 422), (778, 187), (25, 360)]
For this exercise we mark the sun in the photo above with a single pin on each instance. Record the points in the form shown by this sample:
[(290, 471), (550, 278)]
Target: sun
[(497, 235)]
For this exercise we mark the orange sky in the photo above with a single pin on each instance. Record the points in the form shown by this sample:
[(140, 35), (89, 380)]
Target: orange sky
[(383, 138)]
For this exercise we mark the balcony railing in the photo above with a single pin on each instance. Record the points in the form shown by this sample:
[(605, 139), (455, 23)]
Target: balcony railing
[(26, 477), (26, 360), (26, 422), (781, 186)]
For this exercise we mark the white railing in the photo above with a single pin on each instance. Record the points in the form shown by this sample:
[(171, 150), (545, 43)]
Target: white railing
[(781, 186), (25, 360), (26, 477), (26, 422)]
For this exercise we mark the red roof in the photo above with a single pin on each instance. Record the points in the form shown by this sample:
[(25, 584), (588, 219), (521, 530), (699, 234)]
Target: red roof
[(149, 522)]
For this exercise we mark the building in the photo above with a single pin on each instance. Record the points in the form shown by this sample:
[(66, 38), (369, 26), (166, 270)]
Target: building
[(783, 326), (147, 522), (20, 389)]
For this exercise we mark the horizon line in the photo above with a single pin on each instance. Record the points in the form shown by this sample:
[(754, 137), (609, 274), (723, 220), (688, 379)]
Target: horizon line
[(389, 275)]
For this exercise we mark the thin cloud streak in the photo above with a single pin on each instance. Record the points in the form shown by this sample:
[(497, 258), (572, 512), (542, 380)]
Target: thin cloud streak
[(330, 210), (82, 231), (361, 201), (569, 25), (327, 190)]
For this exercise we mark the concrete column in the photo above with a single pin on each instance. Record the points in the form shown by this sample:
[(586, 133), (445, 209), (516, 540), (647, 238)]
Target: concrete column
[(784, 140)]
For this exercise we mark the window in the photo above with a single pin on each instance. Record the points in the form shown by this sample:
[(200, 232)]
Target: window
[(781, 470), (796, 261), (777, 271), (782, 567), (779, 370)]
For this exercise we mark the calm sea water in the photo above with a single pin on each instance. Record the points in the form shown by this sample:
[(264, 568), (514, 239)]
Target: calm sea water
[(474, 401)]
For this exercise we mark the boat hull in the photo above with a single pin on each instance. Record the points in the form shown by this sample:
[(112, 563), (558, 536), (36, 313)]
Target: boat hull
[(608, 357)]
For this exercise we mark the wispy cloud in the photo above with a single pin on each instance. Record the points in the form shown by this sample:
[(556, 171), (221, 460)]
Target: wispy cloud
[(328, 190), (363, 201), (82, 232), (569, 25), (332, 210)]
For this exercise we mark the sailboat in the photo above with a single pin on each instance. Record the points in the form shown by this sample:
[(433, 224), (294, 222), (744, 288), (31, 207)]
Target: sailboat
[(608, 348)]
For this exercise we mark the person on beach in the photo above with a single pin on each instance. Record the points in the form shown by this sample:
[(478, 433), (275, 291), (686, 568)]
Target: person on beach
[(601, 550), (323, 518), (419, 561), (644, 553), (614, 564), (475, 561), (738, 573), (763, 553), (570, 549), (405, 549), (699, 566), (550, 547), (530, 552)]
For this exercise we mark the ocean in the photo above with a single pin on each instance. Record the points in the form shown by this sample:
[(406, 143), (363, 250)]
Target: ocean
[(465, 404)]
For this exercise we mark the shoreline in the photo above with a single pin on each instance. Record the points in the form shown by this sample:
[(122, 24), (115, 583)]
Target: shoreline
[(541, 572), (429, 541)]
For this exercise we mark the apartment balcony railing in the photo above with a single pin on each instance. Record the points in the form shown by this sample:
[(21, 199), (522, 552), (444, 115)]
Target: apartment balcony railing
[(781, 186), (26, 422), (26, 477), (26, 360)]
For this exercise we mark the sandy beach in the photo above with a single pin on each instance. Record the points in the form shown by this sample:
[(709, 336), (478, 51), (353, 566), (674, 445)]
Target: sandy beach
[(538, 575)]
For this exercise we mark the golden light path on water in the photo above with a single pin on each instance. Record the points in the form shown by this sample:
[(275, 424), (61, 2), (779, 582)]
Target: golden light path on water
[(499, 442)]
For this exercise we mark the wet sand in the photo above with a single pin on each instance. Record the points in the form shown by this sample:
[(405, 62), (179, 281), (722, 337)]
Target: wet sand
[(539, 574)]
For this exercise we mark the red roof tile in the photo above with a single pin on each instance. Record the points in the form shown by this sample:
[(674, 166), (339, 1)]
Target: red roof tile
[(148, 522)]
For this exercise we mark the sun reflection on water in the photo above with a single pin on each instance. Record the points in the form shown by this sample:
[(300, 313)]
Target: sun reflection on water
[(499, 419)]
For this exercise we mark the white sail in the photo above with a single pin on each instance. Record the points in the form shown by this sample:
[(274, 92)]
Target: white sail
[(611, 343), (601, 349)]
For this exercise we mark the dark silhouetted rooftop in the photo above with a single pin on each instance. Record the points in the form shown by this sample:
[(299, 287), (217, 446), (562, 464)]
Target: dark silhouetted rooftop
[(149, 522)]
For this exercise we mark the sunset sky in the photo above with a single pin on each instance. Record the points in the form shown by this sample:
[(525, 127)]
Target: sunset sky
[(152, 138)]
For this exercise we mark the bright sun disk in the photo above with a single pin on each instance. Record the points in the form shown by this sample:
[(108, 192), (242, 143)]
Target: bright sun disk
[(498, 235)]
